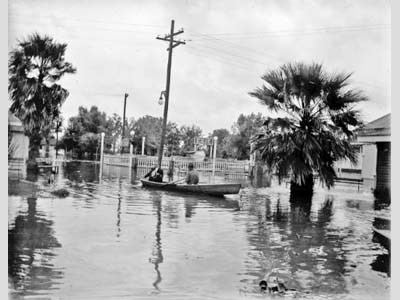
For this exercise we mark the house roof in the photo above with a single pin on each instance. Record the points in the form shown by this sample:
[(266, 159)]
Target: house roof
[(378, 127)]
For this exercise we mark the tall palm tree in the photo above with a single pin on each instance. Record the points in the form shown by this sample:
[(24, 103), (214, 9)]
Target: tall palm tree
[(34, 67), (315, 128)]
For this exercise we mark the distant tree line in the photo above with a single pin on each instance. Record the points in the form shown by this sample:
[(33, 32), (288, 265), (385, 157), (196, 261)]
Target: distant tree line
[(82, 135)]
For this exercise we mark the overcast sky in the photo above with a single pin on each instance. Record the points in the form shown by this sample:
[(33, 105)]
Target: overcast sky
[(229, 45)]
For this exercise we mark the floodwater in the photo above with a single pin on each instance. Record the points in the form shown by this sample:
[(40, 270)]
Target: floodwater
[(114, 239)]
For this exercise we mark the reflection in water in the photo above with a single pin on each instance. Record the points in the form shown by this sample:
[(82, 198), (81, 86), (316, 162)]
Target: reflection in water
[(32, 176), (298, 244), (323, 246), (79, 172), (119, 210), (157, 249), (29, 262), (190, 205), (380, 203), (260, 177), (382, 263)]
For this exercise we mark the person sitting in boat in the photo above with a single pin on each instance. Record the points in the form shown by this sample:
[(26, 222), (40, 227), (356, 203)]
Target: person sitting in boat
[(192, 177), (156, 174)]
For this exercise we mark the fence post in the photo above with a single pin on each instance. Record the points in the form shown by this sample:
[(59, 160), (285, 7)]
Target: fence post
[(143, 140), (135, 163), (130, 161), (214, 156), (101, 155), (171, 170)]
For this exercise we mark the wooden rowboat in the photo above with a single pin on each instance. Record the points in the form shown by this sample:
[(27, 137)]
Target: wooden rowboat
[(209, 189)]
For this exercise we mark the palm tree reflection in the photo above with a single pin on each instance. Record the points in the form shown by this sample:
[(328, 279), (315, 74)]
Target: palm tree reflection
[(30, 239), (299, 244)]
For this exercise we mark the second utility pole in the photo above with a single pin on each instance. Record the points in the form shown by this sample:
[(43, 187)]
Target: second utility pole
[(123, 124), (123, 120), (172, 44)]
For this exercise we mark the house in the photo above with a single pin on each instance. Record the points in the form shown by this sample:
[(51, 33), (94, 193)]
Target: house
[(18, 146), (348, 170), (376, 152), (18, 138)]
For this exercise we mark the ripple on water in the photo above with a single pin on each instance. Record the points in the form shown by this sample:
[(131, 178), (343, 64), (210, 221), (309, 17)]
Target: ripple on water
[(113, 239)]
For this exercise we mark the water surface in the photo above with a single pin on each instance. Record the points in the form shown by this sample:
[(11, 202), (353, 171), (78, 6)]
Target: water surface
[(112, 239)]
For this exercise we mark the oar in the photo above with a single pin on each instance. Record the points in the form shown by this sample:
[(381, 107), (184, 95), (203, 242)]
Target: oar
[(173, 182)]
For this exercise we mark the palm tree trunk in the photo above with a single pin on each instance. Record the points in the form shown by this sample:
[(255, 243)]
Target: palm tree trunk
[(299, 191), (34, 144)]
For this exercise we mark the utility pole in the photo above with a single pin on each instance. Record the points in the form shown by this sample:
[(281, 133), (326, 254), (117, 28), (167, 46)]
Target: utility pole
[(58, 125), (123, 123), (172, 44)]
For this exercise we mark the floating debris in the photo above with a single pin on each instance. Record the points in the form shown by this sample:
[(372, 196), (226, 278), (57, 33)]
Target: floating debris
[(275, 282), (60, 193)]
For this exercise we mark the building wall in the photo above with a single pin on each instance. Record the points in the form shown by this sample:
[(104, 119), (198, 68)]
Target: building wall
[(383, 166), (21, 143), (368, 172), (17, 162)]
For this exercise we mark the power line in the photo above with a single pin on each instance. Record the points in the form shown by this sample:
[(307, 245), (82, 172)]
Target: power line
[(116, 42), (220, 40), (317, 30), (234, 54), (94, 92), (90, 28), (87, 20), (297, 35), (224, 60)]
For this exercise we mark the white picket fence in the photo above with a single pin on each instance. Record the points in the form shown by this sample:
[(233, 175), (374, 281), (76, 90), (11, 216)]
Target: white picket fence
[(116, 160), (180, 163)]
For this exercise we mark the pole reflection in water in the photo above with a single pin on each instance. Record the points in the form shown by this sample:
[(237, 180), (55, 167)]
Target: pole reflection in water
[(323, 247), (119, 209), (157, 248)]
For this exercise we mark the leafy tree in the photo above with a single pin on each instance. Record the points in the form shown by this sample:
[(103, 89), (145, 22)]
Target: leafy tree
[(189, 133), (223, 142), (113, 131), (243, 129), (87, 121), (316, 128), (90, 142), (173, 138), (150, 127), (34, 67), (92, 120)]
